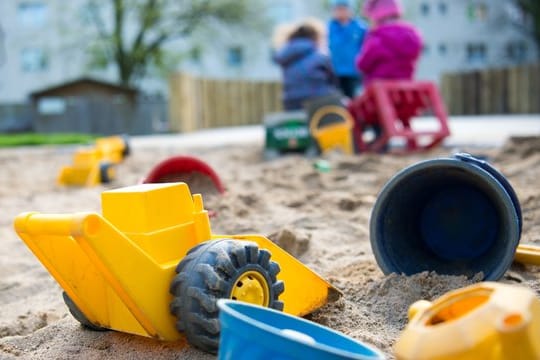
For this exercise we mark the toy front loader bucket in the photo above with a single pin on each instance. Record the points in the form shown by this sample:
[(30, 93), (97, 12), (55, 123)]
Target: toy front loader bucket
[(111, 280), (84, 171), (305, 291)]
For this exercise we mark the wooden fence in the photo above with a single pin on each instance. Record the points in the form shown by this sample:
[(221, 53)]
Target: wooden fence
[(497, 91), (199, 103)]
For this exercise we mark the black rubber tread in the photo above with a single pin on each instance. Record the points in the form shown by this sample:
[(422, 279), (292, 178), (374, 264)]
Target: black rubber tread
[(207, 273), (127, 147), (104, 172), (79, 316)]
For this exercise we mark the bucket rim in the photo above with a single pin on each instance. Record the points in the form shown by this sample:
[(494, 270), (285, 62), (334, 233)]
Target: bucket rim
[(466, 157)]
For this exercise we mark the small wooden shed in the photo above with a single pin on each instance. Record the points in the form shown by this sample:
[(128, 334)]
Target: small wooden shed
[(85, 105)]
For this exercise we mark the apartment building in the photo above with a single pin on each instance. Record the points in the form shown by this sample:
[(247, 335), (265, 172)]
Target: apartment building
[(462, 35), (45, 42)]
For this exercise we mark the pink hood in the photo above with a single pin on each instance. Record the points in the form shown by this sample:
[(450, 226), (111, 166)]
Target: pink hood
[(390, 52), (377, 10)]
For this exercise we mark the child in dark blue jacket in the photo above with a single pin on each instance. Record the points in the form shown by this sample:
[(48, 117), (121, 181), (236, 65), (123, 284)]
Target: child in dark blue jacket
[(307, 73)]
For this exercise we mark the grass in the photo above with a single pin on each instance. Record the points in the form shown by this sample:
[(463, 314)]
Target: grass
[(28, 139)]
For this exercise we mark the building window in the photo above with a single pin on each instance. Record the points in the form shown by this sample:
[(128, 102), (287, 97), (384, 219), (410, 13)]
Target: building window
[(34, 60), (51, 106), (476, 54), (424, 9), (443, 49), (443, 8), (32, 14), (235, 56), (477, 12), (517, 51)]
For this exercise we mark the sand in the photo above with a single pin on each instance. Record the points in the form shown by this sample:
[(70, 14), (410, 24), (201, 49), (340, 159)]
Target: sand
[(322, 218)]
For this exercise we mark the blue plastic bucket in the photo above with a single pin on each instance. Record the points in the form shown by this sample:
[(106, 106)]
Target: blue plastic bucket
[(456, 216), (253, 332)]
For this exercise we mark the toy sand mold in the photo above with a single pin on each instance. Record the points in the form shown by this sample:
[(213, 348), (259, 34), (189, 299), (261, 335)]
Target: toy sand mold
[(149, 265)]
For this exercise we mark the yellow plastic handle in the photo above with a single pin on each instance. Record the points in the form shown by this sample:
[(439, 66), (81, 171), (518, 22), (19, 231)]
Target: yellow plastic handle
[(528, 254), (33, 223), (329, 109)]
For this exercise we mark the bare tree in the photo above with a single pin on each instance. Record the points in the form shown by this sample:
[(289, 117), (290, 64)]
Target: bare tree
[(530, 21), (132, 34)]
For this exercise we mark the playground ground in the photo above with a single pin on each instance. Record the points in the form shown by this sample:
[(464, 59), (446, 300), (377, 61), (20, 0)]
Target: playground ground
[(322, 218)]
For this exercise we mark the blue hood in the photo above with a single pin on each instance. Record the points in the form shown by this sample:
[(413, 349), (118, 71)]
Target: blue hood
[(307, 73), (294, 50)]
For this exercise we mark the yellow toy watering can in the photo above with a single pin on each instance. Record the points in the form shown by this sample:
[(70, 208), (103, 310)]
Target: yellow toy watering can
[(483, 321)]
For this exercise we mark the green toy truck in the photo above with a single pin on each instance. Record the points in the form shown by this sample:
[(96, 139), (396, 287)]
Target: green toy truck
[(288, 132)]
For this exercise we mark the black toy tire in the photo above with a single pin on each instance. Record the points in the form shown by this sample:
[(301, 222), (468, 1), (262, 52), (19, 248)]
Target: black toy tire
[(207, 273), (104, 168), (127, 148), (79, 316)]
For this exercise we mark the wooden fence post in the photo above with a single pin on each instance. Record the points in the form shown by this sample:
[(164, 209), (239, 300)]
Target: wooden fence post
[(446, 91), (175, 116), (181, 103), (486, 92), (534, 88), (494, 91)]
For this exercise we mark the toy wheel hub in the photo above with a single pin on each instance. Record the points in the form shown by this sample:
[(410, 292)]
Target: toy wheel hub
[(251, 287)]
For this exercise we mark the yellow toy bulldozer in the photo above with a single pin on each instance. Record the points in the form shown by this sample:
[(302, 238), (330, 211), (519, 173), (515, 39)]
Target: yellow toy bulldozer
[(95, 165), (149, 265)]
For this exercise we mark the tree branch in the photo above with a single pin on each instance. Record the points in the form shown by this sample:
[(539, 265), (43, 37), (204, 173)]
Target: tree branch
[(118, 39), (99, 24), (157, 22), (149, 17)]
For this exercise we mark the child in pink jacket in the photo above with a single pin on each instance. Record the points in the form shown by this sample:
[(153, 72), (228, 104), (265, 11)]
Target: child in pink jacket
[(392, 46)]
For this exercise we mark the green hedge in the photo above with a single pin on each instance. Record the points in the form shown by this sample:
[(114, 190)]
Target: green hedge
[(27, 139)]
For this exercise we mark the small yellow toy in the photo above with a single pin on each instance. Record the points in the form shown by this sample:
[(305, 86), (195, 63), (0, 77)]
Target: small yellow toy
[(488, 321), (335, 135), (149, 265), (528, 254), (95, 165)]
